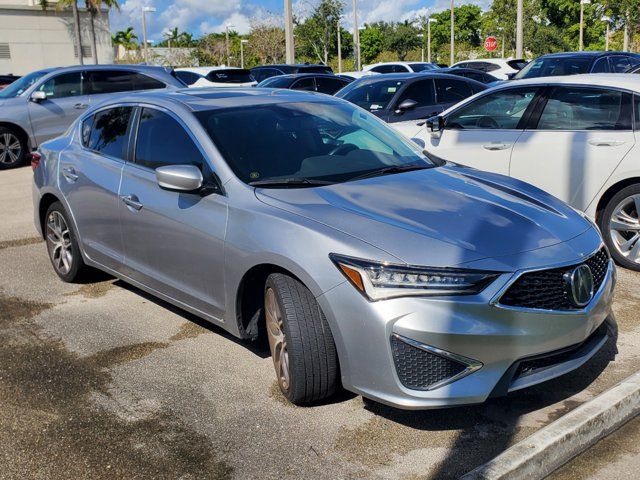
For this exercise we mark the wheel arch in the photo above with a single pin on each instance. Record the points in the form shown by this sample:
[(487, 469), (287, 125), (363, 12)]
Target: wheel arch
[(46, 201), (21, 132), (610, 192)]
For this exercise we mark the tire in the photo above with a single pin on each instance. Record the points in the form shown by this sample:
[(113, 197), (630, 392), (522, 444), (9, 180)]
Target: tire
[(623, 211), (302, 347), (13, 149), (62, 245)]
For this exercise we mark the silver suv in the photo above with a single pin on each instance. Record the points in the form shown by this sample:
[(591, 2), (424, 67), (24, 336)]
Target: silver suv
[(42, 105)]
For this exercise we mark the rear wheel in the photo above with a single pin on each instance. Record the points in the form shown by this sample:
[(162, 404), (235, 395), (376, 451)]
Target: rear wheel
[(620, 226), (62, 246), (301, 343), (12, 149)]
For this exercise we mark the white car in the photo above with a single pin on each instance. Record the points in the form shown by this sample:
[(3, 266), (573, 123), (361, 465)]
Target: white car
[(356, 75), (571, 136), (500, 68), (215, 77), (399, 67)]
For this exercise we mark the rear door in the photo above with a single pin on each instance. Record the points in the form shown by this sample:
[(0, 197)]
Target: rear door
[(582, 134), (482, 133), (67, 98)]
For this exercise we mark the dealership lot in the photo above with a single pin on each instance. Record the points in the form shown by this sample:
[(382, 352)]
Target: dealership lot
[(101, 380)]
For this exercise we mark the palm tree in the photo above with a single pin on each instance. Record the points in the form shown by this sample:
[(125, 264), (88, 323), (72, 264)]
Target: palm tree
[(186, 39), (76, 24), (127, 38), (94, 7), (172, 35)]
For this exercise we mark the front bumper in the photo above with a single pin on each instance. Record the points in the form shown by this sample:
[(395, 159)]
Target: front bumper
[(475, 329)]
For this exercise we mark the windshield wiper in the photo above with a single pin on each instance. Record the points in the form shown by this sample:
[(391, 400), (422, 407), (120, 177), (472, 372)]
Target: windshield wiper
[(390, 170), (290, 182)]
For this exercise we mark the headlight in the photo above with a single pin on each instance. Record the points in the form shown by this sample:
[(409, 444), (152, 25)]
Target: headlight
[(383, 280)]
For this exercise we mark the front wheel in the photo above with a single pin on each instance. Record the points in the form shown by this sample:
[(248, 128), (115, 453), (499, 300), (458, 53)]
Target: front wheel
[(12, 149), (301, 343), (620, 227)]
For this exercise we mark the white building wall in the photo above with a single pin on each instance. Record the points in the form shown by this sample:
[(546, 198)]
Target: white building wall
[(39, 39)]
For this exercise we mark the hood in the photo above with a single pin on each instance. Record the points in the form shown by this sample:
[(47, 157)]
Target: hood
[(438, 217)]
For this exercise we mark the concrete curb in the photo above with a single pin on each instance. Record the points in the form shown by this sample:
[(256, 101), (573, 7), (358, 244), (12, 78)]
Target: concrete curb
[(554, 445)]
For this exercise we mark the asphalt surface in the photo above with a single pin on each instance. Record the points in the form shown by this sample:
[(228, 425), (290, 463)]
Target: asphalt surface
[(102, 381)]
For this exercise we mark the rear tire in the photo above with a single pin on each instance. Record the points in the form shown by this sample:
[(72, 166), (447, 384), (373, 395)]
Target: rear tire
[(13, 149), (62, 245), (620, 227), (301, 343)]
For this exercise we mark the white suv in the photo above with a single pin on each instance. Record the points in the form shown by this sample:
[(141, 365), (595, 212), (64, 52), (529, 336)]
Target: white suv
[(399, 67), (500, 68), (571, 136)]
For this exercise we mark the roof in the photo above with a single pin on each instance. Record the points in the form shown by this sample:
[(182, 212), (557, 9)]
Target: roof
[(586, 54), (410, 76), (292, 65), (204, 70), (619, 80)]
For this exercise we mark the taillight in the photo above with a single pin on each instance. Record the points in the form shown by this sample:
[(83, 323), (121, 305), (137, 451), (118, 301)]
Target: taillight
[(35, 160)]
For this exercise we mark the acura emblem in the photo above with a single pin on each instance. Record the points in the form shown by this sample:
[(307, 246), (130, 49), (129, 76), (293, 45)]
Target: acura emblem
[(579, 282)]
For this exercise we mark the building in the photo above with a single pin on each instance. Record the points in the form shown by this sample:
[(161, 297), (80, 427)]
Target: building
[(31, 38)]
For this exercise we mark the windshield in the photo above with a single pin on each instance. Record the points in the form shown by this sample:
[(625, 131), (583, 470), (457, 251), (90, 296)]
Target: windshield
[(421, 67), (307, 141), (18, 87), (234, 75), (371, 95), (555, 66)]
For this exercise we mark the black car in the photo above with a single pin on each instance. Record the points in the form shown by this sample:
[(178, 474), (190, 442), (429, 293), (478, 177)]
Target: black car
[(573, 63), (267, 71), (399, 97), (473, 74), (312, 82)]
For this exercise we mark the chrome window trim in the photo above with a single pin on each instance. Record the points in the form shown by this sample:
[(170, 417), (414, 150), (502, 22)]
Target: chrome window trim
[(472, 365), (495, 301)]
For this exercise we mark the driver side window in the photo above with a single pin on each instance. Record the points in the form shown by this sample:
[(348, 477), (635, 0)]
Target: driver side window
[(501, 110)]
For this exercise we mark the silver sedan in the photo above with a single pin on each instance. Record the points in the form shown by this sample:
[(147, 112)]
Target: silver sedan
[(302, 218)]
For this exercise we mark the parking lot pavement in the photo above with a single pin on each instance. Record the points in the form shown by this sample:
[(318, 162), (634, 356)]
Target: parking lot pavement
[(100, 380)]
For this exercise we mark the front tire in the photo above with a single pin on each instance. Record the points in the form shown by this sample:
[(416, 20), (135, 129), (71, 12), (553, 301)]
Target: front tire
[(620, 227), (13, 149), (62, 245), (302, 346)]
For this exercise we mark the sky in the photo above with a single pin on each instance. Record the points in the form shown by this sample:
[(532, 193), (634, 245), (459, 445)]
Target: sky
[(206, 16)]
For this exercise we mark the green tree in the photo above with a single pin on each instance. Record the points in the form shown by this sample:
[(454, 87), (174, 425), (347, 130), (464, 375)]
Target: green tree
[(94, 7), (371, 43), (317, 34), (402, 39)]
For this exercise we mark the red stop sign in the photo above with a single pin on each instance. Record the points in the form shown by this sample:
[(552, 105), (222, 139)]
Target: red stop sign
[(490, 44)]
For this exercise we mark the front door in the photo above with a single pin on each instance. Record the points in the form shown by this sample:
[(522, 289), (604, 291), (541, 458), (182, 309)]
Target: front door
[(582, 134), (66, 99), (174, 242)]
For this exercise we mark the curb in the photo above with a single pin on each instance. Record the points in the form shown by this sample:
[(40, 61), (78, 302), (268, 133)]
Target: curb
[(554, 445)]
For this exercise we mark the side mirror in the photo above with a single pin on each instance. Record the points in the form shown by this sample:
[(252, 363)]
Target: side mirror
[(180, 178), (419, 142), (435, 125), (407, 104), (38, 96)]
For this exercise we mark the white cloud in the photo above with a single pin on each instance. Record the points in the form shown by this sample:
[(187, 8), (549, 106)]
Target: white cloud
[(241, 24)]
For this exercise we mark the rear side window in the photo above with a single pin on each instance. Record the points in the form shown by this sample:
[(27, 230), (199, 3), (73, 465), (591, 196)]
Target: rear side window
[(586, 109), (619, 63), (329, 85), (601, 65), (452, 91), (306, 84), (636, 108), (231, 75), (383, 69), (108, 131), (420, 91), (114, 81), (64, 85), (161, 140), (188, 78), (499, 110)]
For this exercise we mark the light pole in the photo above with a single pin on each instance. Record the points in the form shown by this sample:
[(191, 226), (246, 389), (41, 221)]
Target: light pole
[(421, 37), (452, 56), (519, 32), (606, 19), (356, 36), (339, 46), (146, 10), (226, 31), (429, 22), (288, 32), (501, 29), (242, 43), (582, 4)]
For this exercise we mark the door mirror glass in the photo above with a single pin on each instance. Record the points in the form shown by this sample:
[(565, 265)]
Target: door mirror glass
[(419, 142), (435, 125), (181, 178), (405, 105), (38, 96)]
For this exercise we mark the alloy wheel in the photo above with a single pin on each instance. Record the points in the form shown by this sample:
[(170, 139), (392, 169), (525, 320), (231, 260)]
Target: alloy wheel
[(624, 228), (10, 149), (59, 242), (277, 339)]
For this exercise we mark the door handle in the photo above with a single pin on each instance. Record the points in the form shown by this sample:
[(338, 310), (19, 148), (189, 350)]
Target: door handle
[(132, 201), (70, 174), (80, 106), (496, 146), (600, 142)]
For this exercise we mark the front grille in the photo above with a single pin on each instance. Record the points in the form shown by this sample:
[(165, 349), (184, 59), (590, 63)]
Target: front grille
[(418, 369), (546, 289)]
